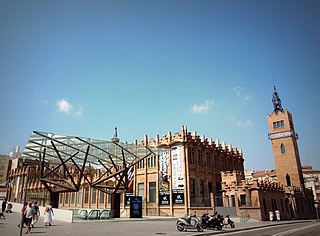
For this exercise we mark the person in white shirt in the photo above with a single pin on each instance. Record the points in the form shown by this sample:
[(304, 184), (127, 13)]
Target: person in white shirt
[(29, 215), (48, 215), (277, 215)]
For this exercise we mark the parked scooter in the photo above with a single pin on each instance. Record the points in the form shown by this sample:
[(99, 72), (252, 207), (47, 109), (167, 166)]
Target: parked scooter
[(228, 221), (189, 222), (212, 222)]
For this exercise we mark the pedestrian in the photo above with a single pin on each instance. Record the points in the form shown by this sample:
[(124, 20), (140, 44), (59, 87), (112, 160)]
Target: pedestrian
[(4, 205), (24, 210), (48, 211), (36, 214), (271, 216), (29, 215), (9, 208), (277, 215)]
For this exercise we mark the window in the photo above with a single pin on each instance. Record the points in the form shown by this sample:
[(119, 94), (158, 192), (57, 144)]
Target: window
[(192, 191), (264, 206), (192, 188), (283, 148), (288, 179), (80, 196), (243, 200), (61, 198), (210, 188), (73, 196), (66, 200), (218, 188), (141, 190), (233, 201), (101, 197), (202, 188), (191, 155), (274, 204), (278, 124), (152, 161), (141, 164), (152, 192), (86, 195), (200, 157), (94, 196)]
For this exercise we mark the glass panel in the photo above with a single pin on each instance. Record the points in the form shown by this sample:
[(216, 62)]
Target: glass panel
[(152, 192)]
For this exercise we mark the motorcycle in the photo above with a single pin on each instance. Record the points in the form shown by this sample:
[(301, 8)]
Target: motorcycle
[(214, 222), (228, 221), (189, 222)]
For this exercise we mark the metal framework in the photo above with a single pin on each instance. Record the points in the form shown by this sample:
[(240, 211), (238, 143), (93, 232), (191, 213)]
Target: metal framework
[(66, 160)]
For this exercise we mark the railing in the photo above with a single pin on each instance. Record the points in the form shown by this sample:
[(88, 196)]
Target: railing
[(94, 215)]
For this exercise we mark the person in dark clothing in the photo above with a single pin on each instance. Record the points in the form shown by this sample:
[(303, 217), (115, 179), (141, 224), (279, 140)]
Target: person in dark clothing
[(4, 205)]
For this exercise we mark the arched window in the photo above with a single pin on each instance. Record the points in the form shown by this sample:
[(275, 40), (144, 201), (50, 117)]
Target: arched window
[(283, 148), (288, 180)]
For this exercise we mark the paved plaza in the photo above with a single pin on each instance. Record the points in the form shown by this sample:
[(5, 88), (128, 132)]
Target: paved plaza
[(121, 227)]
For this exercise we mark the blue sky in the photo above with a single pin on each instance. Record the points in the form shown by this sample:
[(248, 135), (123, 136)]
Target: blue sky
[(148, 67)]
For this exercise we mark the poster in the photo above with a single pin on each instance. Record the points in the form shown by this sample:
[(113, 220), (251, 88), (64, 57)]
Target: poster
[(164, 198), (178, 175), (129, 191)]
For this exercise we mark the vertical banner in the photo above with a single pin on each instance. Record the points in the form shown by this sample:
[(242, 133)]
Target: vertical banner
[(178, 177), (129, 191), (164, 198)]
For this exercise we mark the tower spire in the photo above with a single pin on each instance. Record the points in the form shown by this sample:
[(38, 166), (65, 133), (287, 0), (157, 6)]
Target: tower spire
[(276, 101), (115, 136)]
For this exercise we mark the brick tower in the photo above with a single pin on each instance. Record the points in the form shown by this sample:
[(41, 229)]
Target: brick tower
[(284, 145)]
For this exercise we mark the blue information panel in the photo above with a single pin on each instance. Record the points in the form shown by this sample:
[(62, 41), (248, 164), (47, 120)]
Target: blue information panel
[(135, 207)]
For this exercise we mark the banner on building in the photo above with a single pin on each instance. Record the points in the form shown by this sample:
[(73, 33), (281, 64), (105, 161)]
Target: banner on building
[(178, 175), (129, 192), (178, 196), (164, 192)]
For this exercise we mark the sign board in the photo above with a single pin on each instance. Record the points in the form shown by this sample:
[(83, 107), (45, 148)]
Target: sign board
[(135, 207), (281, 135)]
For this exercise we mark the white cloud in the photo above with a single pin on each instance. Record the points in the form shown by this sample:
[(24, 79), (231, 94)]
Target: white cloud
[(203, 108), (239, 92), (242, 124), (66, 107)]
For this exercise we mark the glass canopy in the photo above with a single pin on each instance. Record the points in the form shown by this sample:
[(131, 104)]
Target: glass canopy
[(100, 152)]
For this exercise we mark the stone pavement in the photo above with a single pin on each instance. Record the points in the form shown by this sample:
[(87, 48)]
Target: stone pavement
[(119, 227)]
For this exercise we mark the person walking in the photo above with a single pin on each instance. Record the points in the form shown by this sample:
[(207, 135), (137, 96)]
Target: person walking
[(271, 216), (36, 214), (277, 215), (4, 205), (29, 216), (48, 215), (24, 210)]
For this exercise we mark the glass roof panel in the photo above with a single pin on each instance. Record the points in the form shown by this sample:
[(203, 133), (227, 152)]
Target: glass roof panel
[(100, 151)]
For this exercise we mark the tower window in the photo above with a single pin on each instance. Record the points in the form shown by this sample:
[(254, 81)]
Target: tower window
[(283, 148), (278, 124), (288, 180)]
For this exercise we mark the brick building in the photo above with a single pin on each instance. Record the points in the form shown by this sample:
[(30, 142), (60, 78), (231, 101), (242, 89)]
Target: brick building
[(183, 177), (282, 189)]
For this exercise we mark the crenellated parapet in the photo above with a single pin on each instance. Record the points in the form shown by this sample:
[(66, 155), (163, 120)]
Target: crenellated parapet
[(234, 181), (193, 138), (270, 186)]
